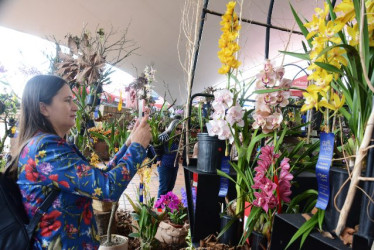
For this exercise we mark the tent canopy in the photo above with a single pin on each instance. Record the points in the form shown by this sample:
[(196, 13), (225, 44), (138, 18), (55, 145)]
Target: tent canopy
[(155, 27)]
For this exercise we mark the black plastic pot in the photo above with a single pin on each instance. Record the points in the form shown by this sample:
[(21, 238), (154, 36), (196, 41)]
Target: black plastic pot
[(90, 99), (233, 234), (211, 151), (337, 177), (159, 150), (257, 241)]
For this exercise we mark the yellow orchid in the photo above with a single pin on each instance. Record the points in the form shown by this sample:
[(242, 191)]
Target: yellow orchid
[(322, 79), (354, 34), (311, 98), (313, 26), (227, 42), (322, 13), (347, 7), (336, 58), (330, 30), (335, 103)]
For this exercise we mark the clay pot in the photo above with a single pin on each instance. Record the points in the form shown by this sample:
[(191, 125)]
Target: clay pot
[(119, 243), (170, 233)]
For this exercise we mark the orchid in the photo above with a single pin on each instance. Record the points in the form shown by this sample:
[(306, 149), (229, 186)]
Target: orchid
[(268, 115), (227, 42), (273, 184)]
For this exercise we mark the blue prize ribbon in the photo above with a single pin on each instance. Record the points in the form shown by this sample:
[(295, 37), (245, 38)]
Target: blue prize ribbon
[(224, 182), (141, 192), (323, 169), (96, 112)]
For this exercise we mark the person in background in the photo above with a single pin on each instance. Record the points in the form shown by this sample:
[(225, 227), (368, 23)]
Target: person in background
[(169, 160), (46, 160)]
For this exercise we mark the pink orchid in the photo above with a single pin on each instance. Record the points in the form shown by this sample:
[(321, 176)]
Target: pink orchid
[(282, 98), (285, 175), (235, 115), (285, 83), (260, 119), (284, 164), (261, 201), (279, 71), (284, 188), (268, 66)]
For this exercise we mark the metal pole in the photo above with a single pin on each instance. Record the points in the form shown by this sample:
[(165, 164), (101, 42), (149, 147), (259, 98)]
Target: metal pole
[(267, 38), (196, 54), (256, 23)]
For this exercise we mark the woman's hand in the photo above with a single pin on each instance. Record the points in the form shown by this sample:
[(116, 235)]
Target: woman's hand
[(141, 133), (128, 141)]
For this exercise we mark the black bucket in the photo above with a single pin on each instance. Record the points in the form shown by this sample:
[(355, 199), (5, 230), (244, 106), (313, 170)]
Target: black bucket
[(211, 151), (257, 241), (337, 177), (233, 234)]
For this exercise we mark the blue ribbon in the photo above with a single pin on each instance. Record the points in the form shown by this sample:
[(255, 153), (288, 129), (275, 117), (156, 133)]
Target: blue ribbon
[(141, 192), (224, 182), (323, 169)]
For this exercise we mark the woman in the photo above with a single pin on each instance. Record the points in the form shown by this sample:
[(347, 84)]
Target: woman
[(168, 167), (46, 160)]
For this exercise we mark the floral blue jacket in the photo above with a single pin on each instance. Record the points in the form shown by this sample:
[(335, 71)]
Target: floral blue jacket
[(47, 161)]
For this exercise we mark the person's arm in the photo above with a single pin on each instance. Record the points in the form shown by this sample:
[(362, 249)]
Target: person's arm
[(54, 162)]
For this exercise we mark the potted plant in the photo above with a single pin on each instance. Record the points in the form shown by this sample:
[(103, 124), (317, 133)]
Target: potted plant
[(146, 222), (175, 229), (113, 241), (231, 228)]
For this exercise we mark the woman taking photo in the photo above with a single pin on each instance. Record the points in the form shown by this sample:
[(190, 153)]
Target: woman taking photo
[(46, 160)]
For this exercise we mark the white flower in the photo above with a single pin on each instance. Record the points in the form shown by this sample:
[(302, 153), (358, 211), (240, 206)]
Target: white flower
[(235, 115), (224, 97)]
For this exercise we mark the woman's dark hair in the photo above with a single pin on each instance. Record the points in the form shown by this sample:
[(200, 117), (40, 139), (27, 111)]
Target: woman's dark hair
[(40, 88)]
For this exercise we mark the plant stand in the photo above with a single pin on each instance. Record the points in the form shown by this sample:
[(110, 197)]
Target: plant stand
[(286, 225), (204, 218)]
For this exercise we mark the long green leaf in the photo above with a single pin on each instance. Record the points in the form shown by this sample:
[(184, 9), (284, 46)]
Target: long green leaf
[(301, 26), (303, 56), (305, 229)]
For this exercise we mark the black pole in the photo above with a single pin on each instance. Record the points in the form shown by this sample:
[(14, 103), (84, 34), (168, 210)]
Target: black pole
[(244, 20), (196, 54), (268, 22)]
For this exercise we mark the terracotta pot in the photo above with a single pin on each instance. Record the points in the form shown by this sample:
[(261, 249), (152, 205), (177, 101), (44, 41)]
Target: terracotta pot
[(119, 242), (169, 234)]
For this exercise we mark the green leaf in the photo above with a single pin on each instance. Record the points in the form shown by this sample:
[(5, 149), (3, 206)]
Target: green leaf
[(303, 56), (305, 229), (264, 91), (301, 26), (329, 67), (134, 235)]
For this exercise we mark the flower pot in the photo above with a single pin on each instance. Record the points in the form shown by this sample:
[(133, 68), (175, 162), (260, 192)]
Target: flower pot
[(159, 150), (257, 241), (102, 150), (90, 100), (337, 177), (233, 234), (366, 228), (119, 242), (211, 151), (170, 234)]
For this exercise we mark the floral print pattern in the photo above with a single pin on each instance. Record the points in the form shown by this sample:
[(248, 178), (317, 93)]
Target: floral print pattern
[(48, 161)]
